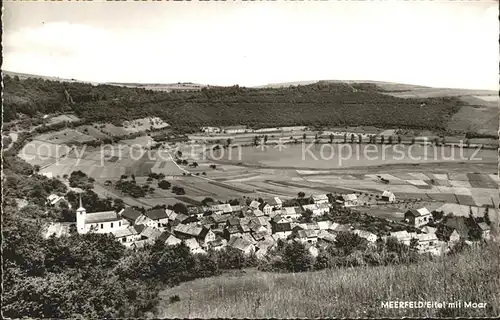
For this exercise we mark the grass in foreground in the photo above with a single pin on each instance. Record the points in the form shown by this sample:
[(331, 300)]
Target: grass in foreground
[(473, 276)]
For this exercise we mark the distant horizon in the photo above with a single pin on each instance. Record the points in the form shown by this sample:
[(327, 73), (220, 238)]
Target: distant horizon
[(293, 82)]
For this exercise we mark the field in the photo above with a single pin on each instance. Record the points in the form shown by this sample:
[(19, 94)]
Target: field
[(352, 293)]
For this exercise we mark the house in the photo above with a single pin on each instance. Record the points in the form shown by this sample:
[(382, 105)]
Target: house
[(158, 218), (275, 202), (143, 220), (309, 236), (485, 230), (98, 222), (291, 212), (147, 232), (258, 213), (266, 208), (388, 196), (217, 244), (366, 235), (234, 129), (326, 236), (327, 225), (169, 239), (320, 198), (317, 209), (126, 236), (131, 215), (418, 217), (403, 236), (224, 208), (210, 129), (183, 231), (194, 246), (254, 205), (54, 200), (348, 200), (426, 241), (281, 227), (242, 245)]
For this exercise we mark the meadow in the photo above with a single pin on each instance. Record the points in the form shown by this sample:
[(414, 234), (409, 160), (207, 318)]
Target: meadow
[(472, 276)]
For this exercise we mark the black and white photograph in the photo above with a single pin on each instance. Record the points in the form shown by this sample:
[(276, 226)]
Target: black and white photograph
[(250, 159)]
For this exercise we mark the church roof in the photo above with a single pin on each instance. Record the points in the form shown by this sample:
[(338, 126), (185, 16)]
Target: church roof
[(104, 216)]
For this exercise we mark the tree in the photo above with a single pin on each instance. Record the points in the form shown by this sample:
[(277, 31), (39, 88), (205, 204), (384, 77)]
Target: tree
[(255, 140), (348, 242), (195, 164), (382, 138), (179, 153), (265, 139), (352, 137), (206, 201), (228, 141), (331, 137), (412, 140), (301, 194), (389, 140), (360, 138), (296, 258), (304, 136), (399, 139), (180, 207), (213, 166), (307, 216)]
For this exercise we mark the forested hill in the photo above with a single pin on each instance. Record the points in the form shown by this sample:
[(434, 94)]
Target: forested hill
[(315, 104)]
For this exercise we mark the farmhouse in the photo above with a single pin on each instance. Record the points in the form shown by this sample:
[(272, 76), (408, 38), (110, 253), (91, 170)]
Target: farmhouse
[(418, 217), (221, 208), (348, 200), (281, 227), (320, 198), (426, 241), (309, 236), (388, 196), (254, 205), (266, 208), (217, 244)]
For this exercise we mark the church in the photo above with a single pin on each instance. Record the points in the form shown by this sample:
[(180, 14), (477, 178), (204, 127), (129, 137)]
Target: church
[(99, 222)]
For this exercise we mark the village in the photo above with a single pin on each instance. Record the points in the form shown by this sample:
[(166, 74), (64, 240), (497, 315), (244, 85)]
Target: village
[(254, 226)]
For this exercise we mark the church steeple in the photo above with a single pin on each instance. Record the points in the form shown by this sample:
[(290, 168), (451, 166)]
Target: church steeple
[(80, 217)]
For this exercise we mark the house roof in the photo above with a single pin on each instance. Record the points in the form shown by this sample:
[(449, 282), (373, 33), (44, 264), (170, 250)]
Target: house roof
[(239, 243), (290, 211), (483, 226), (428, 229), (254, 204), (349, 197), (419, 212), (307, 233), (172, 240), (319, 197), (142, 219), (225, 207), (387, 194), (151, 233), (342, 228), (365, 234), (311, 207), (156, 214), (234, 127), (192, 243), (258, 213), (422, 237), (104, 216), (188, 230), (130, 231), (130, 213), (324, 225), (275, 201)]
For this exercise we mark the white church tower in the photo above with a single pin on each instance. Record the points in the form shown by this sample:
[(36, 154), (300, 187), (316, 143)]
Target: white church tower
[(80, 218)]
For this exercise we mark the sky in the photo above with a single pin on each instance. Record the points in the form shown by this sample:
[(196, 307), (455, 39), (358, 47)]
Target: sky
[(431, 43)]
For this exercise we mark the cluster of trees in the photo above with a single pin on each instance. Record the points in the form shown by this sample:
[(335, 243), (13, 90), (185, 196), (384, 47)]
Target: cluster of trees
[(349, 250), (131, 188), (79, 179), (316, 104), (178, 190)]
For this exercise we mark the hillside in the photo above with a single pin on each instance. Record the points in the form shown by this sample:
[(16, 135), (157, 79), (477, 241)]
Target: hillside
[(356, 292), (320, 104)]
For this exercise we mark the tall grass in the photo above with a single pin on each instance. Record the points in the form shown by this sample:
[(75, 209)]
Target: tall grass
[(472, 276)]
